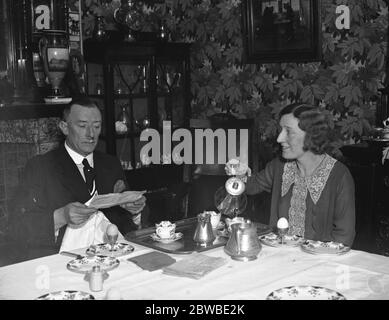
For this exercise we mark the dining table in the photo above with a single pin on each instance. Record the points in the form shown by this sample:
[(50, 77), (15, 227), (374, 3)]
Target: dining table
[(355, 275)]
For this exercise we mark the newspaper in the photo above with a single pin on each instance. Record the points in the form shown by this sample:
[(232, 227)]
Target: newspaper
[(113, 199)]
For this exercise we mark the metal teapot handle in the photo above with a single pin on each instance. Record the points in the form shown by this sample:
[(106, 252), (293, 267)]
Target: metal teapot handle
[(238, 234)]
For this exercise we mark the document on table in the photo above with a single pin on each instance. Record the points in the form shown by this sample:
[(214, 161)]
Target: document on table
[(195, 266), (113, 199)]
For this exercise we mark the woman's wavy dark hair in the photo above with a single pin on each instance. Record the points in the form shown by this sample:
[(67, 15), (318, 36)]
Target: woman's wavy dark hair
[(314, 122)]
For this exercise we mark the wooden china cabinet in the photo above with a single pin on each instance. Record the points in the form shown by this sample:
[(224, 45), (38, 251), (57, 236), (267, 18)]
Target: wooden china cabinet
[(371, 177), (138, 86)]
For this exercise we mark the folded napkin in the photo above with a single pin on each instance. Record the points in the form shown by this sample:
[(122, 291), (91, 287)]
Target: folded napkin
[(92, 232), (195, 266), (152, 261)]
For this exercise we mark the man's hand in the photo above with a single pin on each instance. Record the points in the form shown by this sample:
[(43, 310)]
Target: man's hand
[(76, 213), (136, 206)]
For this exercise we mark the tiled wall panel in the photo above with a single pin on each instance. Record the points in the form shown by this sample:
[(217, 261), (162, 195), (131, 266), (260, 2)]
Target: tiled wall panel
[(19, 141)]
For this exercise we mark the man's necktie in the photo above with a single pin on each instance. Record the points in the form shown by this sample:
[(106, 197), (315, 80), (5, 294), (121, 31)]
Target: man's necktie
[(89, 173)]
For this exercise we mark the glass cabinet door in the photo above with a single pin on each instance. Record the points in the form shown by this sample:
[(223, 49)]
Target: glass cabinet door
[(171, 94), (131, 107), (95, 91), (138, 86)]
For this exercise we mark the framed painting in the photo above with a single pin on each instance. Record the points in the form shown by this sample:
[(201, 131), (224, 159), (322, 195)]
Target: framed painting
[(281, 31)]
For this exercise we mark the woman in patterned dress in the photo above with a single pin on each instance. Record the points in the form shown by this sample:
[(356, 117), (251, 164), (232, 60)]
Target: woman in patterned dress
[(314, 191)]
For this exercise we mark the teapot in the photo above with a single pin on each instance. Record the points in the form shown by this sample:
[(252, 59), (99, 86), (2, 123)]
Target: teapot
[(203, 234), (243, 244)]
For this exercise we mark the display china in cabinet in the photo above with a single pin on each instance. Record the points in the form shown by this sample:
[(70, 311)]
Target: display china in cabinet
[(139, 85)]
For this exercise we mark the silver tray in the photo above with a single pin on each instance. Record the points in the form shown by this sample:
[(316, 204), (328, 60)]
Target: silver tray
[(184, 245)]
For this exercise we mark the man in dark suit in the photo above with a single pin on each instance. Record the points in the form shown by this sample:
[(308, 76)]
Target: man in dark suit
[(55, 186)]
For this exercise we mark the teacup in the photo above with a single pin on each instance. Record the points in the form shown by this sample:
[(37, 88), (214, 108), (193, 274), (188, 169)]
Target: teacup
[(165, 229), (215, 218), (230, 222)]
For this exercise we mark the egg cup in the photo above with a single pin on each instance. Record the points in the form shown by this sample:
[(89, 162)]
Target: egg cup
[(282, 232)]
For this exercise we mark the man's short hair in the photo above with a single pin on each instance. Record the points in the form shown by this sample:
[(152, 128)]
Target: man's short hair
[(83, 101), (314, 122)]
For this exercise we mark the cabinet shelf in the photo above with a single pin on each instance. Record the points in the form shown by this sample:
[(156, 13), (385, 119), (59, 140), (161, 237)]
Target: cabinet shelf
[(142, 95), (130, 95)]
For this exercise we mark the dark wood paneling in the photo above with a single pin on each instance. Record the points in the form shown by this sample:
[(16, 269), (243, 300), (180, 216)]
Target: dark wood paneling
[(31, 111), (371, 178)]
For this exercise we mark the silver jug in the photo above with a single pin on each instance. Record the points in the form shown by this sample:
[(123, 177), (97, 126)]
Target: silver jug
[(243, 244), (203, 234)]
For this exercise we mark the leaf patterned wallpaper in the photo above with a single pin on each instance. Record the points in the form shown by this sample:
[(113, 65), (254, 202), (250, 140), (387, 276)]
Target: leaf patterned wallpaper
[(345, 83)]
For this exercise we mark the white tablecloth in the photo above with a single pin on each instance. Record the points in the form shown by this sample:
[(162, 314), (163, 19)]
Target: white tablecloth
[(356, 275)]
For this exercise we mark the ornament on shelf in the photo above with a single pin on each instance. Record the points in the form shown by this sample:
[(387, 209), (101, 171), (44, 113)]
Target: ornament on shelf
[(123, 121), (54, 50), (99, 29)]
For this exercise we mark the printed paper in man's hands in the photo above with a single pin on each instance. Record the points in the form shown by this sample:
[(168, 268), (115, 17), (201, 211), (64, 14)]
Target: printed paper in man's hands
[(115, 199)]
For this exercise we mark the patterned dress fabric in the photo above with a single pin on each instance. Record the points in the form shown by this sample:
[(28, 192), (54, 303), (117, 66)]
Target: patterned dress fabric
[(313, 184)]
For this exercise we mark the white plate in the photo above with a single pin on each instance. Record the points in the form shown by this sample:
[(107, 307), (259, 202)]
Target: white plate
[(103, 249), (58, 100), (177, 236), (274, 240), (319, 247), (305, 293), (67, 295), (85, 264)]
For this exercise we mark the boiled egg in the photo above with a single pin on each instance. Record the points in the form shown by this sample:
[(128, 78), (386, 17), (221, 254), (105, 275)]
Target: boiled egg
[(282, 223), (112, 230)]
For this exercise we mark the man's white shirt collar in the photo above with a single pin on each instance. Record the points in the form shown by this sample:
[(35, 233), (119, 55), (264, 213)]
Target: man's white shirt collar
[(77, 158)]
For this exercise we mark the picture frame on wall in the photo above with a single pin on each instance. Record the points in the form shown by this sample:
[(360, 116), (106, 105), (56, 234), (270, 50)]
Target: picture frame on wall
[(281, 31)]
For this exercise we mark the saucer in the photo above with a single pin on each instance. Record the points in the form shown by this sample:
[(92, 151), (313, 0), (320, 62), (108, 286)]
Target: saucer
[(67, 295), (177, 236), (274, 240), (103, 249), (85, 264), (305, 293), (319, 247)]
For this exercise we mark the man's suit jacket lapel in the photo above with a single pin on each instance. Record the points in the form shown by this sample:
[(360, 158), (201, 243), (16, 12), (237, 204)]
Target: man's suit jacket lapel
[(70, 176)]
